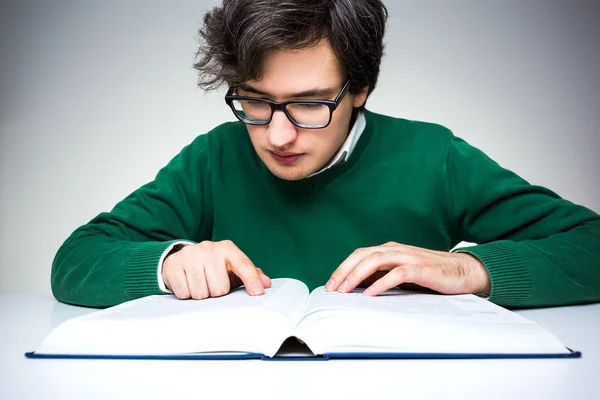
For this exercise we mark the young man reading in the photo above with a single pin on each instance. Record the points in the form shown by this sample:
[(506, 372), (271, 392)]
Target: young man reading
[(309, 184)]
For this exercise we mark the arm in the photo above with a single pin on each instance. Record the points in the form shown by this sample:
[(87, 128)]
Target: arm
[(114, 258), (538, 249), (535, 249)]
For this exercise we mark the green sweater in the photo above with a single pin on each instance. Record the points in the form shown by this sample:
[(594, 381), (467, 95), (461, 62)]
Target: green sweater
[(410, 182)]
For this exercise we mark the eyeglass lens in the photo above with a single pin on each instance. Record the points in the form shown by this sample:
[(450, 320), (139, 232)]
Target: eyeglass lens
[(303, 113)]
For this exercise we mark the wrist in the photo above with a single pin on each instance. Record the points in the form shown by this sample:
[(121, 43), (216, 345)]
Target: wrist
[(162, 280), (478, 280)]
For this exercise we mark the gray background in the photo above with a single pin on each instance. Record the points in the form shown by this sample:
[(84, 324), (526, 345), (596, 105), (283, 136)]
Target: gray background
[(95, 97)]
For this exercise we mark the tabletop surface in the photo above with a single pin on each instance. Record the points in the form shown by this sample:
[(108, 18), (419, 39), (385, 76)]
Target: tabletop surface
[(27, 319)]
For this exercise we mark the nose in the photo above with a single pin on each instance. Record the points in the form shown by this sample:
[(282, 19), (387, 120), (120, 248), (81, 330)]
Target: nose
[(281, 133)]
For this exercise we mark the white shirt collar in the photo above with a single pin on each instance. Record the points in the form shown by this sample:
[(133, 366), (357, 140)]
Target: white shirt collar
[(344, 153)]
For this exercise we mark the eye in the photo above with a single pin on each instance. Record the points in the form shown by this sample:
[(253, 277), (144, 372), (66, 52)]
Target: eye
[(254, 103), (310, 106)]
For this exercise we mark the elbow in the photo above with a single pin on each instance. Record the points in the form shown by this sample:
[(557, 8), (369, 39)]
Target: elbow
[(69, 272), (59, 279)]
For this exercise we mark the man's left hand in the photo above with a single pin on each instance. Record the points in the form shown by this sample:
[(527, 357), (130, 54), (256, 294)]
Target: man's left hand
[(443, 272)]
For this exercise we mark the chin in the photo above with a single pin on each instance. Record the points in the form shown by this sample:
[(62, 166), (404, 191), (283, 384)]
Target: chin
[(291, 174), (288, 173)]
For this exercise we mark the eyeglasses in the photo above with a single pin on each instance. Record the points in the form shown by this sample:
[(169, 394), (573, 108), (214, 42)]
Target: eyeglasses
[(307, 114)]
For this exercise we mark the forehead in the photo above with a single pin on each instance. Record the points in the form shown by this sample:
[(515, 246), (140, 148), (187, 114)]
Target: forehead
[(293, 71)]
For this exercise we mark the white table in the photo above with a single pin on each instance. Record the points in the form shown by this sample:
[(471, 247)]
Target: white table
[(27, 319)]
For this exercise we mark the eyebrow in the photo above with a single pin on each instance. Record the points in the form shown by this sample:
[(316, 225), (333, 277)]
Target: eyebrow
[(316, 92)]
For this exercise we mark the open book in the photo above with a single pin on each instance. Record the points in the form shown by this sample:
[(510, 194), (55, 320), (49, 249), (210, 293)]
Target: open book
[(397, 323)]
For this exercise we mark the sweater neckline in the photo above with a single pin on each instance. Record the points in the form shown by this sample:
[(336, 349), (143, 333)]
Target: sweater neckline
[(315, 183)]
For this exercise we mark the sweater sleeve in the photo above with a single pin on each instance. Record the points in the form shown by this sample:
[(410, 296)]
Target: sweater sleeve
[(114, 257), (539, 249)]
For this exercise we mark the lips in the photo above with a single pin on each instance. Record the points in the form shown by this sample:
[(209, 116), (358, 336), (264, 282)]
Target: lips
[(285, 158)]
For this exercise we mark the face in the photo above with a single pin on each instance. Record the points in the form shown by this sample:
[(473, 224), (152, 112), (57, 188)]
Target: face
[(290, 152)]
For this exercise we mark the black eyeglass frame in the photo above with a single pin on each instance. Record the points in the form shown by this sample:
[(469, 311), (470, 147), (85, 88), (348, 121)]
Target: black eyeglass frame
[(276, 105)]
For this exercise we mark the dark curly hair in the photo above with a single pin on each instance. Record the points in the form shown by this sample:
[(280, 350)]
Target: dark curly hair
[(236, 36)]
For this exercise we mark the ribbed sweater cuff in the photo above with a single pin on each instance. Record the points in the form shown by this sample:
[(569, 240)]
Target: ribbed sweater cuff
[(511, 284), (140, 276)]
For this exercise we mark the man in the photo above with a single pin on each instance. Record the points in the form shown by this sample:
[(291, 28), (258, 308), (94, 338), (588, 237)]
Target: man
[(309, 184)]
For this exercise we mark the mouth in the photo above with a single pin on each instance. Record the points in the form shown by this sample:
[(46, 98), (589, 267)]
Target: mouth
[(285, 158)]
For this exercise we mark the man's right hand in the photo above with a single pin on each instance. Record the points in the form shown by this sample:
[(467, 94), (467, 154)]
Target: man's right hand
[(211, 269)]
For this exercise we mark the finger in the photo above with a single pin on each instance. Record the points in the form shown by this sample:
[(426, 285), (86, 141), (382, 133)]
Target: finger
[(196, 281), (340, 274), (378, 260), (234, 280), (241, 265), (395, 277), (371, 279), (176, 282), (266, 281), (217, 276)]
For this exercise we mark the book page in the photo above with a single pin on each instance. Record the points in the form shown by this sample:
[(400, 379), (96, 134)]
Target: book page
[(285, 296), (403, 321), (165, 325), (467, 308)]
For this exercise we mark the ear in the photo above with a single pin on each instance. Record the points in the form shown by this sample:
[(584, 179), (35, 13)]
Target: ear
[(360, 98)]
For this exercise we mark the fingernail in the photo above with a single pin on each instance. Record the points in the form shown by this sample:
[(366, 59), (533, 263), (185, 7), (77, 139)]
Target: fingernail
[(329, 284), (368, 292), (344, 287), (256, 289)]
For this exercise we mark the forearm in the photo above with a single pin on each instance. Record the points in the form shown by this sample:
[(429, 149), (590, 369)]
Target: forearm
[(99, 271), (116, 256), (538, 248), (561, 269)]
